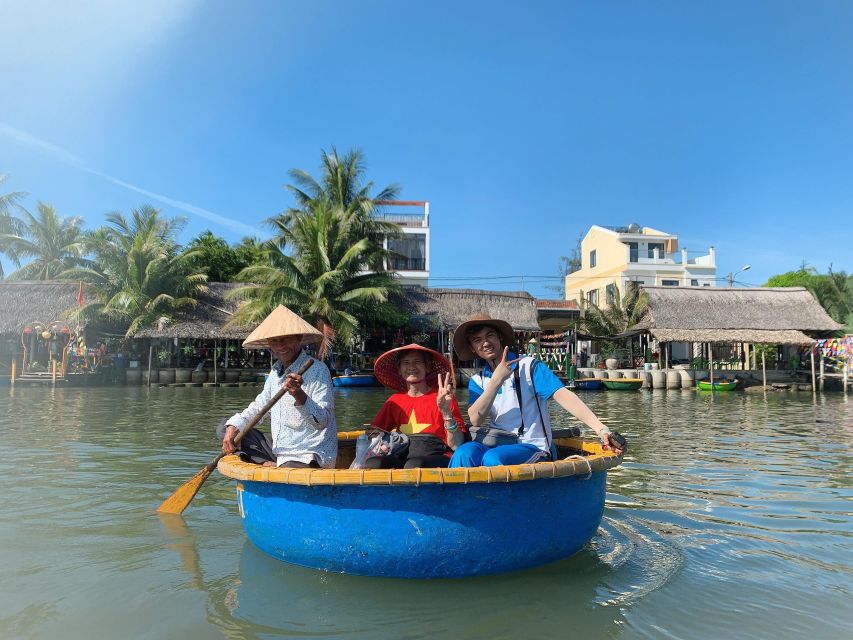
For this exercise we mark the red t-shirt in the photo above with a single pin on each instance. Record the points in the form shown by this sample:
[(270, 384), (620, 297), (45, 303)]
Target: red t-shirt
[(402, 412)]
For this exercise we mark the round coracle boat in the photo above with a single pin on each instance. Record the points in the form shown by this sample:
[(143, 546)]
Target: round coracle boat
[(355, 380), (425, 523)]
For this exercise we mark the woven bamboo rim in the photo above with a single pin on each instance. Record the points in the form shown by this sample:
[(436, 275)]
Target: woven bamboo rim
[(594, 460)]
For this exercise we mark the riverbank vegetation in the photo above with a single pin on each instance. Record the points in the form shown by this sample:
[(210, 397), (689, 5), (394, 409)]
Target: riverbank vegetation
[(326, 258)]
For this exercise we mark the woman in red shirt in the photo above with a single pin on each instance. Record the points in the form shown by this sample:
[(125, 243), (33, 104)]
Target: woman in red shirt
[(425, 408)]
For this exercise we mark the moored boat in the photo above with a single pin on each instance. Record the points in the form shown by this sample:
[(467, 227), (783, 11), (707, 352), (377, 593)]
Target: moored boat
[(623, 383), (355, 380), (723, 384), (425, 523), (587, 384)]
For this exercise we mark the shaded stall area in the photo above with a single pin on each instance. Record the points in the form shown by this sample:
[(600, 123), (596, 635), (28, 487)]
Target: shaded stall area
[(748, 334), (38, 344), (201, 346)]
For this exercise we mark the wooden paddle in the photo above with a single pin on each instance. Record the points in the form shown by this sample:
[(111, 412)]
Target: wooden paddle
[(183, 495)]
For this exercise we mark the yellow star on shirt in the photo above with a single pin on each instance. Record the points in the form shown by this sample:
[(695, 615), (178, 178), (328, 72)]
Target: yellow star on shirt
[(413, 426)]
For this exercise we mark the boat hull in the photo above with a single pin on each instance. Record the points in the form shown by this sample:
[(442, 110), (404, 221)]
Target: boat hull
[(623, 384), (426, 531), (363, 380), (704, 385), (588, 384)]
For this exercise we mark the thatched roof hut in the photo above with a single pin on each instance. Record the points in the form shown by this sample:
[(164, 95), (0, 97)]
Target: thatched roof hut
[(207, 320), (780, 315), (446, 309), (26, 301)]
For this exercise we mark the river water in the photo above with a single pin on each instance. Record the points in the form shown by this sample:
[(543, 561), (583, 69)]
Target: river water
[(732, 517)]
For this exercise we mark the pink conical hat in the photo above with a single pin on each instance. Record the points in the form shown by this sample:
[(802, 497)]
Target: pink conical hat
[(282, 322)]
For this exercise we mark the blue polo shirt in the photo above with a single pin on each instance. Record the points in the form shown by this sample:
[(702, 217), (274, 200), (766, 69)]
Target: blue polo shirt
[(544, 380)]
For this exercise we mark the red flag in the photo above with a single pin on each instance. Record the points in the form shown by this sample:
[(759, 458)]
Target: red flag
[(80, 295)]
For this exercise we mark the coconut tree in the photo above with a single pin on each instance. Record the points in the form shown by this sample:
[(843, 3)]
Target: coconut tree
[(10, 226), (618, 317), (138, 272), (342, 187), (324, 278), (50, 243)]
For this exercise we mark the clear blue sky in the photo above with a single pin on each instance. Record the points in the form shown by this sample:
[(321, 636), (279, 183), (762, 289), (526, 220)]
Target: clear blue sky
[(728, 123)]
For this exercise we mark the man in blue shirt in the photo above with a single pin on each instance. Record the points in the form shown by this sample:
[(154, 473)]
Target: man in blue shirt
[(513, 392)]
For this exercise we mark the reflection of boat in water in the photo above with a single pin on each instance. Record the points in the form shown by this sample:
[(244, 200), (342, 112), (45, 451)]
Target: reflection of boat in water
[(355, 380), (622, 384), (722, 384), (425, 523), (587, 384)]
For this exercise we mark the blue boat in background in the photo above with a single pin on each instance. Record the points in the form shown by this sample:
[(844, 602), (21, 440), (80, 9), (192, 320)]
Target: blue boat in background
[(355, 380), (424, 523), (587, 384)]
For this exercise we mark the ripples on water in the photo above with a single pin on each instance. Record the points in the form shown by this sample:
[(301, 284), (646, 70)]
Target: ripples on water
[(730, 518)]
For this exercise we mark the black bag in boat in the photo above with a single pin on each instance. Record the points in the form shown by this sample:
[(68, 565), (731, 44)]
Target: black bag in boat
[(422, 445), (492, 436)]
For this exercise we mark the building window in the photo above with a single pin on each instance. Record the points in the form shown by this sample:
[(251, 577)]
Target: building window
[(633, 252), (694, 283), (592, 297), (411, 252), (611, 294), (669, 283), (658, 246), (707, 284), (592, 259)]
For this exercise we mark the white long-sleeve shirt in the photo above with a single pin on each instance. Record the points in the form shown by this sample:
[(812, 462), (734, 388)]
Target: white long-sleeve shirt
[(301, 433)]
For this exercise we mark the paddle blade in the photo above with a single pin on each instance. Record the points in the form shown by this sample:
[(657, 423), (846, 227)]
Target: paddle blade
[(183, 495)]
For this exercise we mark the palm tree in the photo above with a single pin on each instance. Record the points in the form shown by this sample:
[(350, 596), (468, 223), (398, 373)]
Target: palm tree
[(140, 276), (341, 186), (54, 244), (10, 226), (618, 317), (325, 279)]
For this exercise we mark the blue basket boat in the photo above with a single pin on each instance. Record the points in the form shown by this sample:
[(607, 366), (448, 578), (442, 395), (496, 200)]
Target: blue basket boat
[(424, 523), (355, 380)]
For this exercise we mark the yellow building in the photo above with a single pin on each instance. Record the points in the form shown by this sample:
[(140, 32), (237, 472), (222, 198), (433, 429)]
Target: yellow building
[(614, 257)]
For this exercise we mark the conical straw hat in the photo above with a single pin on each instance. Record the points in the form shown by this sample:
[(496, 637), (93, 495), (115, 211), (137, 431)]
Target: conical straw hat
[(282, 322)]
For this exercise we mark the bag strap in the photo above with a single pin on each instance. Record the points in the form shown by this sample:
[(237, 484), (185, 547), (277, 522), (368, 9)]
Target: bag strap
[(516, 380)]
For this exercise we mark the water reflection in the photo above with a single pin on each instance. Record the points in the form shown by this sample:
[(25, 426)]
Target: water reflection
[(719, 497)]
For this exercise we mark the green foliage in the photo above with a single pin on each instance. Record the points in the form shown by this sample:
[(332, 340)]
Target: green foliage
[(221, 261), (139, 274), (325, 280), (833, 290), (10, 226), (604, 322), (51, 243)]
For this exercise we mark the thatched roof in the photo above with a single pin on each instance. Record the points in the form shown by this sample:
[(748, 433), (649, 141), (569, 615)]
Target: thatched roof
[(25, 301), (207, 320), (779, 315), (448, 308)]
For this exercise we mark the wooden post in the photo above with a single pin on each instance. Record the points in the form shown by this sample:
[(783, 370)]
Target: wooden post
[(821, 372), (763, 371), (150, 353), (53, 372), (215, 354), (14, 364), (711, 365), (845, 373), (666, 347), (814, 387)]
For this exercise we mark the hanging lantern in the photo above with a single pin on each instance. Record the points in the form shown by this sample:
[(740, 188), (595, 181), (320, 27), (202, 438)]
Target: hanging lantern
[(45, 335)]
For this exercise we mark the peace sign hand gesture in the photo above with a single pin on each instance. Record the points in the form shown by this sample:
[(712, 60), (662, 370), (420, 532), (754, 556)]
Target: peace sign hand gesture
[(445, 393), (503, 370)]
